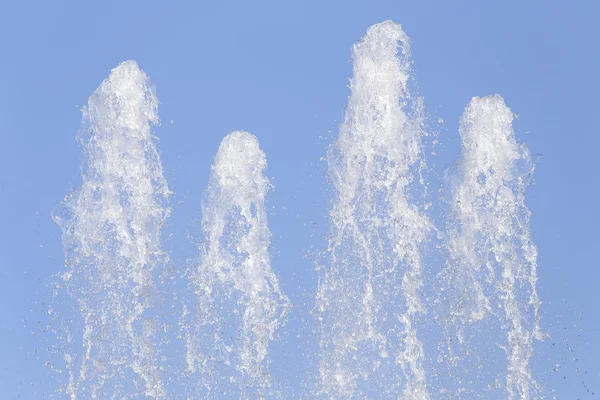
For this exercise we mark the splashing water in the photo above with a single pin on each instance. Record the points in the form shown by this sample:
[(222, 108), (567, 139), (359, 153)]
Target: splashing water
[(491, 266), (369, 300), (369, 296), (240, 302), (111, 233)]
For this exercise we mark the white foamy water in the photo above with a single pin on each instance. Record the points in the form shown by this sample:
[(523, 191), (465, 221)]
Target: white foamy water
[(490, 275), (111, 233), (240, 305), (370, 306), (368, 296)]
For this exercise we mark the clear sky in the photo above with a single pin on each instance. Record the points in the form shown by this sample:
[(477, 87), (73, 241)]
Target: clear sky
[(280, 71)]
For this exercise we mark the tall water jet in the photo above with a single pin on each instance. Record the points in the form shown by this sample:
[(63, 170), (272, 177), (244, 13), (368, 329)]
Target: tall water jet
[(369, 295), (240, 304), (111, 234), (490, 276)]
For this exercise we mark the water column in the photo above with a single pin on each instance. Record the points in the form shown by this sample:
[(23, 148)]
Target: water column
[(111, 234), (239, 303), (369, 291), (490, 277)]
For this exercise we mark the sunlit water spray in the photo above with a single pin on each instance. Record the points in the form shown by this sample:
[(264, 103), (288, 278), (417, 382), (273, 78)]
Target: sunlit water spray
[(369, 294), (370, 298), (240, 305), (490, 274), (111, 233)]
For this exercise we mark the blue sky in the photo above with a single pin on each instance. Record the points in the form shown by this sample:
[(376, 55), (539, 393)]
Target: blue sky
[(280, 70)]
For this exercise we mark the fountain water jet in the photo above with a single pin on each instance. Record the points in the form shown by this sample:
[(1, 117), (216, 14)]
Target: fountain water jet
[(491, 264), (111, 234), (240, 304), (368, 297)]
